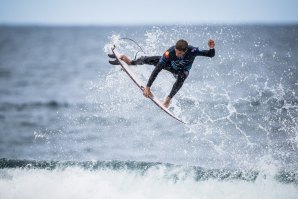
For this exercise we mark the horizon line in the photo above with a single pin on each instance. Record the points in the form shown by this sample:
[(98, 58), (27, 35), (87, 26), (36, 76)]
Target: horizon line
[(148, 24)]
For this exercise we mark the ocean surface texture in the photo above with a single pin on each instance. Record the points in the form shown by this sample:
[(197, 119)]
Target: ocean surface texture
[(74, 126)]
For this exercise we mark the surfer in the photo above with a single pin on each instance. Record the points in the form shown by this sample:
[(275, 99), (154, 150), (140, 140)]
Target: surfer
[(178, 60)]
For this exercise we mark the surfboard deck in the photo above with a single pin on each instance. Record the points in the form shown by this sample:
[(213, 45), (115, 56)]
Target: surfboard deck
[(130, 72)]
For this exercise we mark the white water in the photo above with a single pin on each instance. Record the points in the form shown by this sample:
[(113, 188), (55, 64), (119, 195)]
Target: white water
[(78, 183)]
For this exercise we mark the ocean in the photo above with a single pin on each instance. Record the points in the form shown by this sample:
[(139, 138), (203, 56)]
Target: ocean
[(74, 126)]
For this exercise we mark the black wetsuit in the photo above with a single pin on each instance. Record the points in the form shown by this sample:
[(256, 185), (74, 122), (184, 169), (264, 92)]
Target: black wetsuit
[(178, 66)]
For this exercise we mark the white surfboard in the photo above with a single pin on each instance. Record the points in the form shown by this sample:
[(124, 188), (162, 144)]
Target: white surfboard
[(133, 76)]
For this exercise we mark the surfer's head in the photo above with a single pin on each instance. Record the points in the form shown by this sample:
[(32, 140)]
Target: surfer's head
[(181, 47)]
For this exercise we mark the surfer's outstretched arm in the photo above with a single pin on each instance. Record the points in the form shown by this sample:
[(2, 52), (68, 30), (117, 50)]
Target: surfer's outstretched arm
[(206, 53)]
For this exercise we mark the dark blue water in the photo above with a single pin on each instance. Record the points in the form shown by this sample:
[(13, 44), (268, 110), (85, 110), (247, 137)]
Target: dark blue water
[(61, 101)]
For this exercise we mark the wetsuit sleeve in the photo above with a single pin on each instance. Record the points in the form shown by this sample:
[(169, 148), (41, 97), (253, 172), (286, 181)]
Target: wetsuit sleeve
[(206, 53), (154, 74), (160, 65)]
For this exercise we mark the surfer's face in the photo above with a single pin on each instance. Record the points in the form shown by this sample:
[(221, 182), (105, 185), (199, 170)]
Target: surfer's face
[(179, 53)]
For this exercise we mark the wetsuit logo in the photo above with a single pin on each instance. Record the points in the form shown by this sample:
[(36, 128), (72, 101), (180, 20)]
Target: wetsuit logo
[(166, 54)]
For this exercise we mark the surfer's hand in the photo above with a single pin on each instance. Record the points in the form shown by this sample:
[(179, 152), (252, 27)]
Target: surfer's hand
[(147, 92), (211, 43)]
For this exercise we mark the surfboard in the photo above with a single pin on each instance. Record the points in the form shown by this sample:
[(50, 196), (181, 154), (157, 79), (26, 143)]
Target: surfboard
[(134, 77)]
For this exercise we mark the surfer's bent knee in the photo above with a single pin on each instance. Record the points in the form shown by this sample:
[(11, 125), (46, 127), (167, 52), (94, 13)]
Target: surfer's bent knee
[(183, 75)]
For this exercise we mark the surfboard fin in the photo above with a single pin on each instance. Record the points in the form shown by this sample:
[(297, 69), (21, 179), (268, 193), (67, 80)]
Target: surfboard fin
[(112, 56), (114, 62)]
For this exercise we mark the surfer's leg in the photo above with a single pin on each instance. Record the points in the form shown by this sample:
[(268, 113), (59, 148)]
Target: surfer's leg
[(181, 76), (150, 60)]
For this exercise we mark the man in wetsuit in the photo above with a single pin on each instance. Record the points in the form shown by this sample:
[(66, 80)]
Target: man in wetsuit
[(178, 60)]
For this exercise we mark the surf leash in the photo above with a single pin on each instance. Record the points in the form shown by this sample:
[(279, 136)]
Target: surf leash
[(126, 38)]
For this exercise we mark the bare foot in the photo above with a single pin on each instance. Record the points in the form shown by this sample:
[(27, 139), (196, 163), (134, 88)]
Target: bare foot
[(167, 102), (125, 59)]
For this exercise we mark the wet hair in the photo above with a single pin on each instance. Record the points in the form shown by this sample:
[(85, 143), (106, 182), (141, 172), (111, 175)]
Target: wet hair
[(181, 45)]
